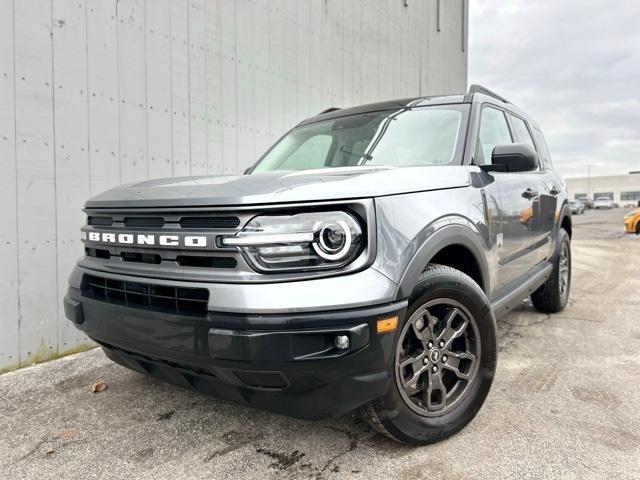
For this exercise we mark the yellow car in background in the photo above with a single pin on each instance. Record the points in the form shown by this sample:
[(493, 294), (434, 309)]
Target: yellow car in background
[(632, 222)]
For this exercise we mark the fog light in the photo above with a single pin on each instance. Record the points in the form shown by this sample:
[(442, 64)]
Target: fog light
[(341, 342)]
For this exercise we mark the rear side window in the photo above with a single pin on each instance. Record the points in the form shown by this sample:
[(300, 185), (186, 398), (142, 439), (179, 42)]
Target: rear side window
[(521, 131), (543, 150), (493, 131)]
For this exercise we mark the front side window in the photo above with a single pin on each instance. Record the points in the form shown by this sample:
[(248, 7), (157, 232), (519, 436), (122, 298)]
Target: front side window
[(543, 149), (407, 137), (493, 131), (521, 132)]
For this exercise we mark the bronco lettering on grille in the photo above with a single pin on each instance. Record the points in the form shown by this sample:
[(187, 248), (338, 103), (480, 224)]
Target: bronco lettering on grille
[(147, 239)]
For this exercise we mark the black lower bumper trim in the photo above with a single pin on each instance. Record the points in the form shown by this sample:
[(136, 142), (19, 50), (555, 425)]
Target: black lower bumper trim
[(286, 364)]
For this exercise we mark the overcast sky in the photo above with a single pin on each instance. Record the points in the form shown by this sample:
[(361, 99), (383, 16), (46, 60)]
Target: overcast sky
[(574, 66)]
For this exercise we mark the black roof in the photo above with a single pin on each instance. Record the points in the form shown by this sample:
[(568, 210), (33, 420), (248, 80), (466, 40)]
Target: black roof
[(476, 93)]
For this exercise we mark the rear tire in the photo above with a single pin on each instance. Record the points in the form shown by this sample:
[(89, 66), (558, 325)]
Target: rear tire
[(553, 295), (441, 387)]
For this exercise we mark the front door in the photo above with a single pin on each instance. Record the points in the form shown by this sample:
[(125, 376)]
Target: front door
[(519, 203)]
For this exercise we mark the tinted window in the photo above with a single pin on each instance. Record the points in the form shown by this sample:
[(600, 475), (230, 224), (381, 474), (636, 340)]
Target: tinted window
[(406, 137), (493, 131), (543, 150), (521, 131)]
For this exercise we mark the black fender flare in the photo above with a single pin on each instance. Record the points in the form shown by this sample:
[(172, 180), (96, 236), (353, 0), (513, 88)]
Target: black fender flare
[(565, 212), (452, 234)]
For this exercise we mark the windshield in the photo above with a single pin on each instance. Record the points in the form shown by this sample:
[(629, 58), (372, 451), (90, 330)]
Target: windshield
[(400, 138)]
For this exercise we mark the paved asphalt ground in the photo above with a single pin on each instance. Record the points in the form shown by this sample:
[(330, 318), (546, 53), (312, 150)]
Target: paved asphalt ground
[(565, 404)]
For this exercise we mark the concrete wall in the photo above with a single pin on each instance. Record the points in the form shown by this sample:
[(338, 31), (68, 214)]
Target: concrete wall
[(94, 93)]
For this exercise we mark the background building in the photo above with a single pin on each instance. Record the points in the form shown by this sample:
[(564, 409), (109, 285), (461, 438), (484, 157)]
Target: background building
[(95, 93), (622, 189)]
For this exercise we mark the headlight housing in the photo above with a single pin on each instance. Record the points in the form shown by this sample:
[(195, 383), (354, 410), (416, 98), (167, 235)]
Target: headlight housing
[(300, 242)]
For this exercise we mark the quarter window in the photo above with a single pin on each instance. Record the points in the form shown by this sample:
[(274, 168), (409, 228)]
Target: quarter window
[(493, 131)]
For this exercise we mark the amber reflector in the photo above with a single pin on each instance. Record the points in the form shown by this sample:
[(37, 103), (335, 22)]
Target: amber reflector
[(387, 324)]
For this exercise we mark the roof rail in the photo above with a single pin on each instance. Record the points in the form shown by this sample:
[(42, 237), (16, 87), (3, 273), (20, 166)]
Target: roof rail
[(329, 110), (480, 89)]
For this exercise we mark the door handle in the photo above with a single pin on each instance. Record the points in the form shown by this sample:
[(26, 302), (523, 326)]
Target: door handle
[(529, 193), (554, 191)]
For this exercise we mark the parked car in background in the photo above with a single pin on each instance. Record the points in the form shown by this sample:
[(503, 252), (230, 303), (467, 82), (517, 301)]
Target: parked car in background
[(587, 202), (577, 207), (632, 222), (603, 202)]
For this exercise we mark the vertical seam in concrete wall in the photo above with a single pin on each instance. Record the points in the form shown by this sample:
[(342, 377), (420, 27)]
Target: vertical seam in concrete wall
[(206, 86), (55, 171), (171, 91), (146, 82), (15, 157), (421, 50), (118, 93), (86, 49), (189, 78), (235, 67), (464, 26)]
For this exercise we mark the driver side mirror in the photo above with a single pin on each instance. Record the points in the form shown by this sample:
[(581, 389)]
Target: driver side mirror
[(512, 157)]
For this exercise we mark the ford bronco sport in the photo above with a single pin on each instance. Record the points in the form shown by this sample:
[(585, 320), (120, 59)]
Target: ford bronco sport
[(359, 264)]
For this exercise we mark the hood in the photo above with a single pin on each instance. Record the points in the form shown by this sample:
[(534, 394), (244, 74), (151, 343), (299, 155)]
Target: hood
[(633, 213), (282, 187)]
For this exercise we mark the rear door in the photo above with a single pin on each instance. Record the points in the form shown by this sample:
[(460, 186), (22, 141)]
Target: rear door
[(518, 201)]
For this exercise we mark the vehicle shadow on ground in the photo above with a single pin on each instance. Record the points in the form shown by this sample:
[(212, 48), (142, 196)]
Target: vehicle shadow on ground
[(213, 430)]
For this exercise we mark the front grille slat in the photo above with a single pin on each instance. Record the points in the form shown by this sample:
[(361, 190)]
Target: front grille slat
[(177, 300), (144, 222), (206, 262), (100, 221), (210, 222)]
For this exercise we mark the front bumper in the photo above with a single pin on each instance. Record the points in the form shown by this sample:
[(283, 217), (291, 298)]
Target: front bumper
[(280, 362)]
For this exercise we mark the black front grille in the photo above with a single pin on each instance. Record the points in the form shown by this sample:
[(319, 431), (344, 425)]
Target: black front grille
[(160, 298), (98, 253), (207, 262), (141, 257), (100, 221), (144, 222), (209, 222)]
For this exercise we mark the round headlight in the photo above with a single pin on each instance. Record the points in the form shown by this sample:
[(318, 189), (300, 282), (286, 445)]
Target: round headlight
[(334, 240), (300, 241)]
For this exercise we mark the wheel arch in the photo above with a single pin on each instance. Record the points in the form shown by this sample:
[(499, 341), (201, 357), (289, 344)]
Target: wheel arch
[(565, 219), (455, 246)]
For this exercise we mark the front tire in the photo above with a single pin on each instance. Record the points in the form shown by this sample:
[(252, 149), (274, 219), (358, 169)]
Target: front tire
[(553, 295), (444, 362)]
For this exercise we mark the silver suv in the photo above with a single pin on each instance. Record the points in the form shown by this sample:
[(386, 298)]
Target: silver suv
[(359, 264)]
